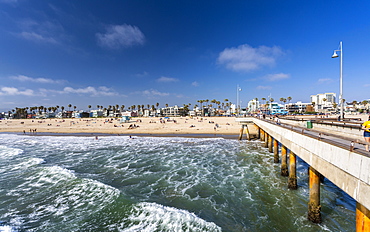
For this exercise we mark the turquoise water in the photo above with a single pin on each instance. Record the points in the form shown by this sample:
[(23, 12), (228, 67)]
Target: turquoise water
[(67, 183)]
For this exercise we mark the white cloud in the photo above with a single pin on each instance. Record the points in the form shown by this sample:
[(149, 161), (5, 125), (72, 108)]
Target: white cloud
[(100, 91), (14, 91), (167, 79), (37, 37), (143, 74), (247, 58), (260, 87), (325, 81), (153, 92), (41, 32), (118, 36), (195, 84), (37, 80), (277, 77)]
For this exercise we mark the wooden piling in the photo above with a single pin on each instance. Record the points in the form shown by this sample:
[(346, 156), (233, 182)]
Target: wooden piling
[(270, 146), (262, 135), (284, 164), (266, 140), (314, 207), (276, 151), (362, 218), (241, 133), (247, 133), (258, 132), (292, 181)]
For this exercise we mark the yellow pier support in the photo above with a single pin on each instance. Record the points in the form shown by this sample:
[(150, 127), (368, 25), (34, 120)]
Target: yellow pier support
[(266, 140), (276, 151), (362, 218), (247, 133), (292, 181), (314, 207), (241, 133), (284, 164), (258, 131), (270, 139)]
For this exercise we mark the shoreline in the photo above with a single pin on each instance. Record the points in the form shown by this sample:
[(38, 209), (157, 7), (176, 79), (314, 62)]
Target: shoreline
[(201, 127), (224, 136)]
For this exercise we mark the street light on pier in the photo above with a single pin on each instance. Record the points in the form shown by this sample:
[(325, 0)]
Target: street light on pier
[(238, 89), (335, 55)]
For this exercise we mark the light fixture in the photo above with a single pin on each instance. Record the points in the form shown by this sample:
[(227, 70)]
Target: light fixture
[(335, 55)]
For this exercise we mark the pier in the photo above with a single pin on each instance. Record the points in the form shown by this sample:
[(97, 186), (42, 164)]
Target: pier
[(338, 158)]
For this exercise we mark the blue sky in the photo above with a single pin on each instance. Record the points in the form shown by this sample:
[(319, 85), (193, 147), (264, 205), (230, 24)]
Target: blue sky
[(177, 52)]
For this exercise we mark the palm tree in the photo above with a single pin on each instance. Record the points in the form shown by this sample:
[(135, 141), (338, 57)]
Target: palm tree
[(289, 99), (263, 99), (69, 107), (89, 106)]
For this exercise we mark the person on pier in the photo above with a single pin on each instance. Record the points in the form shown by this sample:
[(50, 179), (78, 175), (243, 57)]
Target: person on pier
[(366, 127)]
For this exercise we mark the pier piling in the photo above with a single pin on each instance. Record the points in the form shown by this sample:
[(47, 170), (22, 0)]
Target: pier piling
[(362, 218), (284, 165), (241, 133), (314, 207), (270, 146), (276, 151), (292, 181)]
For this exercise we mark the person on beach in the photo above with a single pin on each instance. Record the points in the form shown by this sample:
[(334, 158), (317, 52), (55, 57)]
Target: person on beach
[(366, 127)]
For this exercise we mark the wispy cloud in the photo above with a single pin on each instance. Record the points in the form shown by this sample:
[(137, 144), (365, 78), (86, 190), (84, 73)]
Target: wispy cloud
[(41, 32), (246, 58), (89, 91), (120, 36), (153, 93), (167, 79), (325, 80), (92, 91), (37, 80), (195, 84), (143, 74), (276, 77), (11, 91), (260, 87)]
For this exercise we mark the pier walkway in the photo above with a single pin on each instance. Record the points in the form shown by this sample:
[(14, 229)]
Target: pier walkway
[(338, 156)]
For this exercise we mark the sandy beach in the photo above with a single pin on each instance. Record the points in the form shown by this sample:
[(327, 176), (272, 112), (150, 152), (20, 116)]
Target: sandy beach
[(136, 126)]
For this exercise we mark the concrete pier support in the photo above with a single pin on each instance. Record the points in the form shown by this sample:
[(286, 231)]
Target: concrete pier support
[(362, 218), (266, 140), (270, 145), (241, 133), (247, 133), (292, 181), (284, 163), (262, 135), (276, 151), (258, 131), (314, 207)]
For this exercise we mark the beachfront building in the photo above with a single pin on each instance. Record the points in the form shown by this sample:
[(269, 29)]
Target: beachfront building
[(324, 102), (96, 113), (171, 111), (299, 107), (277, 109), (253, 106)]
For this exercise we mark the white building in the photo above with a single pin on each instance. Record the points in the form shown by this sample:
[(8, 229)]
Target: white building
[(253, 105), (323, 102)]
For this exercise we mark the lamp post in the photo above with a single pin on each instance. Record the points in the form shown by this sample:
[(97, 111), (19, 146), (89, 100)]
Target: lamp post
[(238, 89), (335, 55)]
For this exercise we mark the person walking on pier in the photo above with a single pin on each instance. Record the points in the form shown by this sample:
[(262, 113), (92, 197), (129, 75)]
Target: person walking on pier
[(366, 127)]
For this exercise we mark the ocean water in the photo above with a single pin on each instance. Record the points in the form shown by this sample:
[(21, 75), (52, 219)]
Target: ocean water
[(68, 183)]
